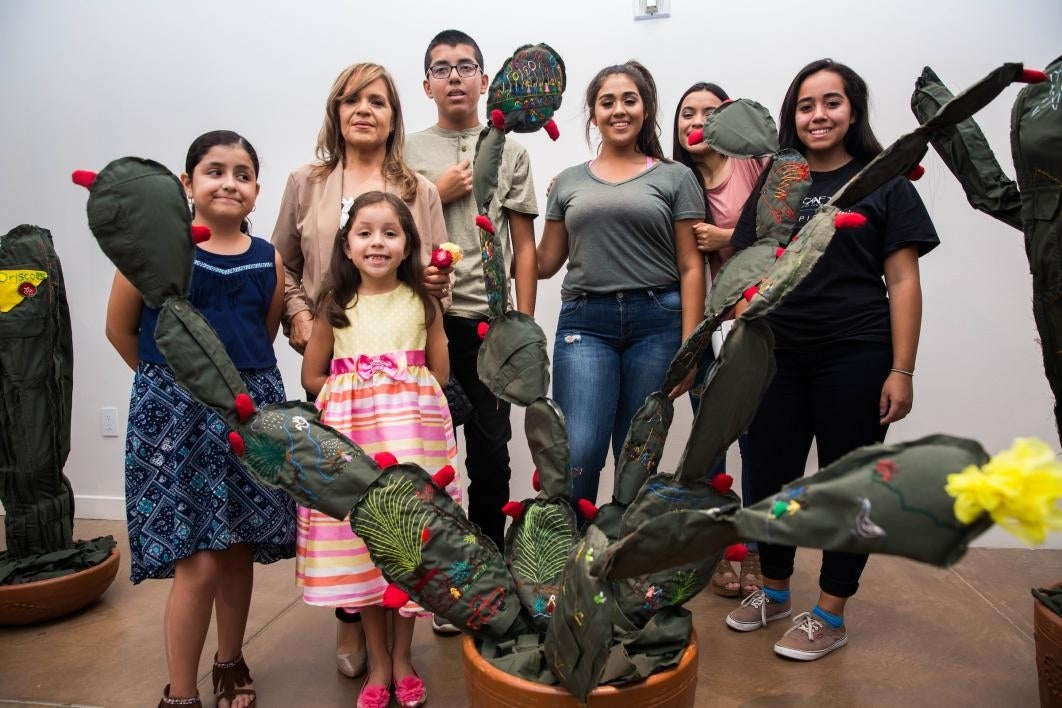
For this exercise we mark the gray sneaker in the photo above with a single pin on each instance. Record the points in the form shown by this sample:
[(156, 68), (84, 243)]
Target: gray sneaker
[(756, 611), (810, 638)]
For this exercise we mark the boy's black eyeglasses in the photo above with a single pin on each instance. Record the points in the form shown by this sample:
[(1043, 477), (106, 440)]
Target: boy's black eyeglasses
[(442, 71)]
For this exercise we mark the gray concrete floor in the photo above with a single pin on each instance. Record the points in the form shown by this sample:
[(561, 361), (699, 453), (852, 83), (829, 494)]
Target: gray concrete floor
[(917, 636)]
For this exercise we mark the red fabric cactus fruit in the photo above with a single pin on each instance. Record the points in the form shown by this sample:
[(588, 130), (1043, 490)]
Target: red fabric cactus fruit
[(587, 509), (915, 173), (200, 233), (497, 119), (394, 597), (722, 483), (236, 443), (536, 483), (513, 509), (779, 251), (83, 178), (696, 137), (244, 406), (483, 222), (849, 220), (551, 129), (385, 460), (750, 292), (425, 535), (1032, 76), (444, 476), (736, 553), (482, 328), (441, 258)]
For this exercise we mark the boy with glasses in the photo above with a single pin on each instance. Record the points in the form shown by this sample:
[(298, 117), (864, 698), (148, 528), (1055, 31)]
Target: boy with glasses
[(455, 80)]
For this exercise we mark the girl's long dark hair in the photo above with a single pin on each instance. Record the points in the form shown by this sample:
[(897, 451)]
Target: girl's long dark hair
[(201, 146), (648, 140), (860, 141), (345, 279), (681, 154)]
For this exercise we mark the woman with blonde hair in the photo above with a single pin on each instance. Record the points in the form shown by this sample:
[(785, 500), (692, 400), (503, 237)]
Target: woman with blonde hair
[(359, 150)]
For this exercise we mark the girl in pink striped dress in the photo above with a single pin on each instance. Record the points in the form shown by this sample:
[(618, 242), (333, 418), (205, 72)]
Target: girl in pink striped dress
[(376, 358)]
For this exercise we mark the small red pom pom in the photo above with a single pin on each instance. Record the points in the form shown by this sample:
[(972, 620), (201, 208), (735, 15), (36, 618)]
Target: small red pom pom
[(83, 178), (849, 220), (915, 173), (736, 553), (425, 535), (244, 406), (722, 483), (551, 129), (536, 483), (483, 222), (385, 460), (482, 328), (444, 476), (514, 509), (1032, 76), (695, 137), (586, 509), (750, 292), (779, 251), (497, 119), (394, 597), (236, 443), (200, 233), (441, 258)]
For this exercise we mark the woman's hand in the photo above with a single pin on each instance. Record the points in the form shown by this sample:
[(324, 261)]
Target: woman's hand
[(897, 396), (683, 385), (437, 281), (301, 328), (711, 238)]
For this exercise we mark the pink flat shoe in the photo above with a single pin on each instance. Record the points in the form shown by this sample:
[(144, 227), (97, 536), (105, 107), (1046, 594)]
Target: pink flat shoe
[(373, 696), (410, 692)]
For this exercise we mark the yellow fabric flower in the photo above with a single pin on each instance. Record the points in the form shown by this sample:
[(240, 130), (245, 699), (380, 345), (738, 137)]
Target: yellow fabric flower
[(453, 249), (1019, 488)]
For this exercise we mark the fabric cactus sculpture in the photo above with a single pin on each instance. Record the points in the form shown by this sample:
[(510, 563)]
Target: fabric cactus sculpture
[(608, 600), (36, 372), (1032, 204)]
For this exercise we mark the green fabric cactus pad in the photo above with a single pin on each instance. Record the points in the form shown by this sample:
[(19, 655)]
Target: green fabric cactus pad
[(528, 88), (512, 361), (138, 214)]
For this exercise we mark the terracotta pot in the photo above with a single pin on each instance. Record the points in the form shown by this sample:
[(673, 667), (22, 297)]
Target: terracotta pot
[(47, 599), (1047, 628), (489, 687)]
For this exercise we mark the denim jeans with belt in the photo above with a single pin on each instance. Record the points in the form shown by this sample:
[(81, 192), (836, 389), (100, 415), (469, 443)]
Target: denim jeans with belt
[(610, 353)]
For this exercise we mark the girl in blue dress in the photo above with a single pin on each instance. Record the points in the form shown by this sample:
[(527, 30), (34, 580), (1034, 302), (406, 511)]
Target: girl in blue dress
[(194, 513)]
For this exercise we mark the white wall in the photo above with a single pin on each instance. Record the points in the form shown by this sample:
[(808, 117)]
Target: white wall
[(86, 82)]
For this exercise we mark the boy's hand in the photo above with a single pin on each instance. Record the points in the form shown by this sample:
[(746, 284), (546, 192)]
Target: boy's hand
[(455, 182)]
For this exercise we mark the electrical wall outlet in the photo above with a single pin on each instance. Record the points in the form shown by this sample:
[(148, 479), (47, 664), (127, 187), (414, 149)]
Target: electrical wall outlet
[(652, 9), (109, 422)]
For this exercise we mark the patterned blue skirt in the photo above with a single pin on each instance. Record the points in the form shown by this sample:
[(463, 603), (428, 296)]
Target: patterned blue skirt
[(185, 490)]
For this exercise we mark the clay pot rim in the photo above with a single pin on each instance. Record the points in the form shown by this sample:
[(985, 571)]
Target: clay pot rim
[(110, 560), (473, 657)]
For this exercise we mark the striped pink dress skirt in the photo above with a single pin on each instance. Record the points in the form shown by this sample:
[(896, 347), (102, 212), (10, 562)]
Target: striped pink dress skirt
[(385, 401)]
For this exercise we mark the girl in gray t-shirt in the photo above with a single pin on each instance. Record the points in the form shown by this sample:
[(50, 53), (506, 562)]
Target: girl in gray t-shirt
[(634, 286)]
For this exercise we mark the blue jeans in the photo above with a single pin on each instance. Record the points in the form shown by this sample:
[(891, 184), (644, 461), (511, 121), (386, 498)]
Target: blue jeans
[(610, 353)]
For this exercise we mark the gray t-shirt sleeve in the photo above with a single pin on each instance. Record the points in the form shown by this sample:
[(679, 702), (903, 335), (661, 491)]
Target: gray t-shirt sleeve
[(520, 196)]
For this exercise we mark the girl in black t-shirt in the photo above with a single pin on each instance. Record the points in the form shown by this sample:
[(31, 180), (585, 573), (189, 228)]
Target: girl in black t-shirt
[(845, 342)]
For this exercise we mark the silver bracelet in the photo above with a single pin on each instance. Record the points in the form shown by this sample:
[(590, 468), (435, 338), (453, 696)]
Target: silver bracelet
[(903, 371)]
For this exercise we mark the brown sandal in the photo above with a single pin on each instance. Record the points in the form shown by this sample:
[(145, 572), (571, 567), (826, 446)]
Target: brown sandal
[(722, 576), (192, 702), (751, 575), (229, 679)]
